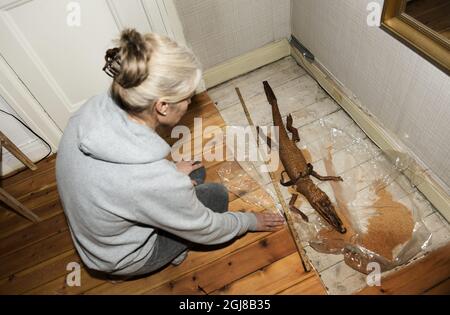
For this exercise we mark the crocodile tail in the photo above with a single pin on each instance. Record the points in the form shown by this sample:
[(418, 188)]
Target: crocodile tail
[(271, 98)]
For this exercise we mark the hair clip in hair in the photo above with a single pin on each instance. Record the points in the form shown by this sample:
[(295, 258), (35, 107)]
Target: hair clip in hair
[(112, 66)]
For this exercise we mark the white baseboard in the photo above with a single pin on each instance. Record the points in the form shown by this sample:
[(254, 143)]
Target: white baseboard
[(246, 63), (34, 150), (435, 192)]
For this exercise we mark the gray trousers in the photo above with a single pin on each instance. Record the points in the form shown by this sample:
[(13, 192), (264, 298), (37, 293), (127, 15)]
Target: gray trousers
[(167, 246)]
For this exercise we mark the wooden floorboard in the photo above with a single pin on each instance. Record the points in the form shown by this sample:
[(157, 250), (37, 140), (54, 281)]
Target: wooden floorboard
[(33, 234), (427, 275), (34, 254), (272, 279), (432, 13), (45, 210), (194, 261), (27, 174), (38, 275), (232, 267), (442, 288)]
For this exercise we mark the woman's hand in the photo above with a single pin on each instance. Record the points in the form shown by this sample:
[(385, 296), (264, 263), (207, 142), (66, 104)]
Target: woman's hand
[(266, 221), (187, 167)]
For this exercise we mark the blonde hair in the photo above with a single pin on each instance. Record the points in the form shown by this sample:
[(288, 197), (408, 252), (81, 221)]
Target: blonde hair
[(150, 67)]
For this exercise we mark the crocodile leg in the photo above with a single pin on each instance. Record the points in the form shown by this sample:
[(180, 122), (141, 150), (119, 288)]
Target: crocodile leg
[(324, 178), (291, 129), (295, 209)]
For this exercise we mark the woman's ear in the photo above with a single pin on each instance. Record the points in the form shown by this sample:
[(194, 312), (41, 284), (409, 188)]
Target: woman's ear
[(161, 108)]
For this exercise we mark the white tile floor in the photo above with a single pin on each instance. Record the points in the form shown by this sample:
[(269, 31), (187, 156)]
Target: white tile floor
[(315, 113)]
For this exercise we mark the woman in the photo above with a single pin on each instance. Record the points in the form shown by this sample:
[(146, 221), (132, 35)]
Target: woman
[(130, 210)]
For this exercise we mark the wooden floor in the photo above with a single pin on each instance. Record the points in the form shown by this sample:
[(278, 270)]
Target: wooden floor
[(34, 257), (429, 275), (432, 13)]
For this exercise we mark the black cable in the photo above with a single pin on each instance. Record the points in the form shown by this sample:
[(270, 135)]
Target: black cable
[(32, 131)]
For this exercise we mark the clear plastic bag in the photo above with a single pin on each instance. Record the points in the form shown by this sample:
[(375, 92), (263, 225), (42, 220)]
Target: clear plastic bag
[(245, 178), (238, 180), (376, 201)]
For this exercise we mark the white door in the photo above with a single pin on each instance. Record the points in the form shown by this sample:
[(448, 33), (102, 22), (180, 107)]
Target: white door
[(56, 47)]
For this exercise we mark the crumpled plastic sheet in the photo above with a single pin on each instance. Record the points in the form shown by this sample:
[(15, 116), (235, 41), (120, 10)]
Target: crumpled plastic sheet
[(246, 180), (374, 189)]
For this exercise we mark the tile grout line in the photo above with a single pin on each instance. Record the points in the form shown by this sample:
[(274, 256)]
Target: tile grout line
[(261, 93)]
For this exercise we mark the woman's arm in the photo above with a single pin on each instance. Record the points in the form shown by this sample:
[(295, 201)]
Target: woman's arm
[(169, 202)]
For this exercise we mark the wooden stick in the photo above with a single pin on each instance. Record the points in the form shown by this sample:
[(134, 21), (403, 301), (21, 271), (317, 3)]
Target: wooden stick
[(17, 206), (305, 262), (11, 147), (9, 200)]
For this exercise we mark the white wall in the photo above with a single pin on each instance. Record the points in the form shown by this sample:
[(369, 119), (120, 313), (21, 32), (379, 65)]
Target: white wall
[(218, 30), (21, 137), (405, 92)]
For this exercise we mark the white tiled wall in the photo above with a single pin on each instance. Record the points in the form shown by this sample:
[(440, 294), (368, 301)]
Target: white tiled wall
[(219, 30), (408, 94)]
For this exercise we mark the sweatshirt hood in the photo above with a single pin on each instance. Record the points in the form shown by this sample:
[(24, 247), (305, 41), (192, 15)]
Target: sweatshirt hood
[(105, 132)]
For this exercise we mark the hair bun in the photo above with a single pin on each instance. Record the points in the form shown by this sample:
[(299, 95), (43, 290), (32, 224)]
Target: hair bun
[(135, 54), (134, 42)]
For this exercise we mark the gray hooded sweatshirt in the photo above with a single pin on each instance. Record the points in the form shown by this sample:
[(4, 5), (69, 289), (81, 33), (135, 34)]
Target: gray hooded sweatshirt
[(117, 189)]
